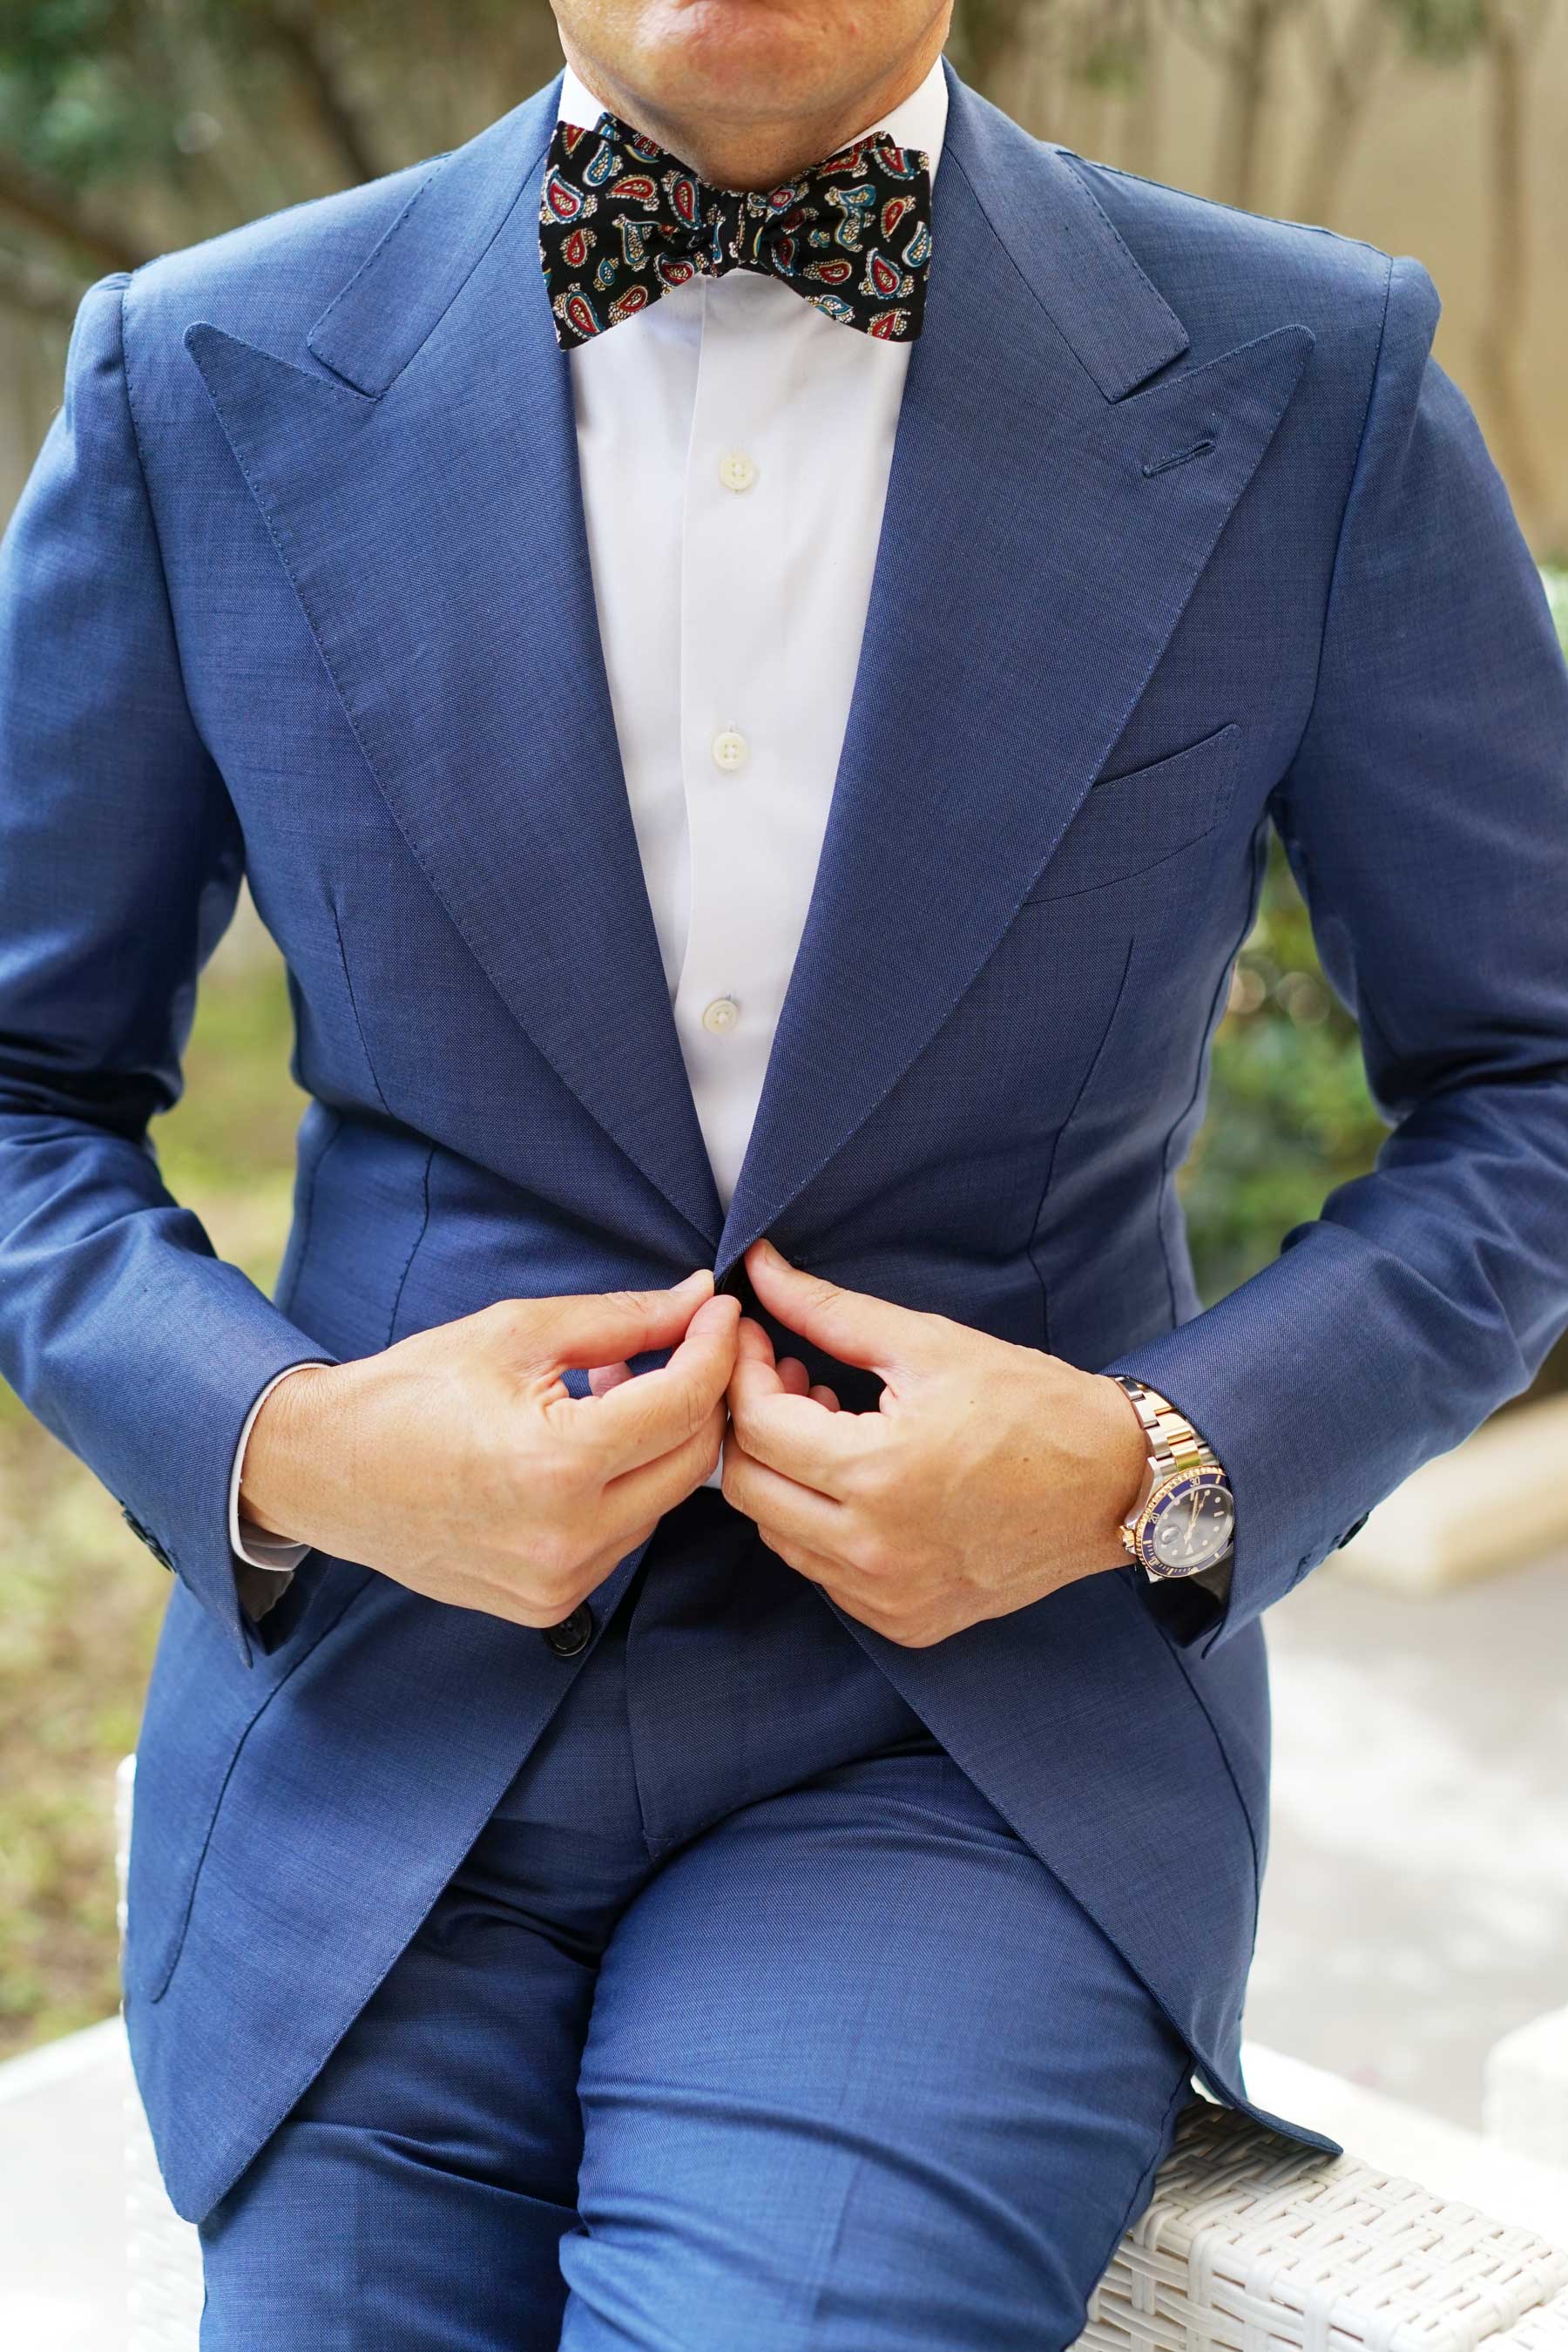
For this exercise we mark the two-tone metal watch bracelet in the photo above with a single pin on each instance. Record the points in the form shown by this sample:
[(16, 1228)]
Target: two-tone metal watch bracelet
[(1175, 1451)]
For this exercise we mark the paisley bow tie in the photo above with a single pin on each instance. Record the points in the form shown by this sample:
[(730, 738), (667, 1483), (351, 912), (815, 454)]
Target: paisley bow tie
[(622, 221)]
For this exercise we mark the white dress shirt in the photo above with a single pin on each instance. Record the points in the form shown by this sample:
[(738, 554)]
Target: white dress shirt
[(733, 446)]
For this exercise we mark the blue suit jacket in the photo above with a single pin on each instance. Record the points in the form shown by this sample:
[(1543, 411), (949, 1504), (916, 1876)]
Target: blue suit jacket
[(1185, 533)]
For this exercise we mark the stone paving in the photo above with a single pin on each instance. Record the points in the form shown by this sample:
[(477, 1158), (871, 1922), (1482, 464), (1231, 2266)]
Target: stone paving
[(1415, 1904)]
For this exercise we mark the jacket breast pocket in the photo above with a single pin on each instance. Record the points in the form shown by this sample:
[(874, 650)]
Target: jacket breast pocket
[(1128, 824)]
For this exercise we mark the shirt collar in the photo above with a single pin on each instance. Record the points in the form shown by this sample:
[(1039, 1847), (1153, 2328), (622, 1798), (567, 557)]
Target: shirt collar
[(919, 120)]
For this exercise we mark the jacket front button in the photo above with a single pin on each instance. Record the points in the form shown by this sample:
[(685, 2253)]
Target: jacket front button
[(572, 1635)]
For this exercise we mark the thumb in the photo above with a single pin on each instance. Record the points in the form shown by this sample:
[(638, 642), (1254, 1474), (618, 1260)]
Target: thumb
[(604, 1327), (849, 1325)]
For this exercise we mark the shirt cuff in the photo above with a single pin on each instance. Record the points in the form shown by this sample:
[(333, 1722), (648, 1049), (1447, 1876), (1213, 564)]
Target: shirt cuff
[(275, 1555), (1217, 1580)]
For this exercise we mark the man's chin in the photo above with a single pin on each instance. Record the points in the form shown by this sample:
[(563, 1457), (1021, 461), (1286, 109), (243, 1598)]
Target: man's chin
[(752, 60)]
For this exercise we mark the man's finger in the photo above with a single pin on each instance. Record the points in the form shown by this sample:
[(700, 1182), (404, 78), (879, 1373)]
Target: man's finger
[(651, 1415), (605, 1329), (640, 1496), (848, 1324), (804, 1516), (788, 1433), (603, 1378)]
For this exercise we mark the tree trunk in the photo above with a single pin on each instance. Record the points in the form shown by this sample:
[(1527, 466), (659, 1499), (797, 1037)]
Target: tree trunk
[(1246, 100), (1247, 89), (1145, 110), (1347, 82), (1504, 51), (34, 291), (53, 213), (295, 38)]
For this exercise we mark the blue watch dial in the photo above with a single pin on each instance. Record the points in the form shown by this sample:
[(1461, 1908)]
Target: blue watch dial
[(1187, 1525)]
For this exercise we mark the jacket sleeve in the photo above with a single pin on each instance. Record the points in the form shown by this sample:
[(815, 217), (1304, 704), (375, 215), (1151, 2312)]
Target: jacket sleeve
[(120, 859), (1426, 817)]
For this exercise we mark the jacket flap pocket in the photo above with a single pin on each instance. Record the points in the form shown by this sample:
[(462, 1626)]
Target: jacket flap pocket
[(1126, 824)]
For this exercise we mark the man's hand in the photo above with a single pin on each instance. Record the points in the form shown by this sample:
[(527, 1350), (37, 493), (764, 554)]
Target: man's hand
[(989, 1475), (456, 1463)]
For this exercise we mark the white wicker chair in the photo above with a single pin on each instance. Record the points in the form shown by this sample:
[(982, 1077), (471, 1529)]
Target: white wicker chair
[(1252, 2243)]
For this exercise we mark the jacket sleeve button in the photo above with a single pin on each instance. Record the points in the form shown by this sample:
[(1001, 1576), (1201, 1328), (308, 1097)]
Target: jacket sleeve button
[(147, 1536)]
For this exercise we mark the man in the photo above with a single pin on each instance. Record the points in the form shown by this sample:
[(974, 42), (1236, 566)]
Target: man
[(747, 628)]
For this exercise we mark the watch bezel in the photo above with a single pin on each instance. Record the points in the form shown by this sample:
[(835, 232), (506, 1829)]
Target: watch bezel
[(1166, 1492)]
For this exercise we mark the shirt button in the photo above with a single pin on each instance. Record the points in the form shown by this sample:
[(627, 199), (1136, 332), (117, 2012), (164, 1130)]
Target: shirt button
[(574, 1634), (730, 749), (721, 1015), (736, 470)]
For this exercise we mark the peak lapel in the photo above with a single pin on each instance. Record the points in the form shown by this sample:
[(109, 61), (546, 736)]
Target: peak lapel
[(1030, 573), (423, 499)]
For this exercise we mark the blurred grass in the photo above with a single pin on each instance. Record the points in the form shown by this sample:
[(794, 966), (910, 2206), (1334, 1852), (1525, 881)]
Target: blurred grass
[(82, 1597), (1289, 1117)]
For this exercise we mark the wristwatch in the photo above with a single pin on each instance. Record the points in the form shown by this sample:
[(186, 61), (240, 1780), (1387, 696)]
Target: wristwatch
[(1186, 1520)]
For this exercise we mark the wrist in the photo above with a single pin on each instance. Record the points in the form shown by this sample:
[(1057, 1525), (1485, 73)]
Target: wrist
[(279, 1475), (1129, 1471)]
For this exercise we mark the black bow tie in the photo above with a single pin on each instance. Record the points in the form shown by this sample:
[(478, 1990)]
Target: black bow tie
[(621, 221)]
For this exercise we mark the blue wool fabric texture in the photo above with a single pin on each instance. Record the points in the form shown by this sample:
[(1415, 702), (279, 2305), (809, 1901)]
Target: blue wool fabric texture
[(749, 2024), (1185, 533)]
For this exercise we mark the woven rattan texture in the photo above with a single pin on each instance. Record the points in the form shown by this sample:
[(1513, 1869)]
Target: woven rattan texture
[(1254, 2243), (1544, 2329)]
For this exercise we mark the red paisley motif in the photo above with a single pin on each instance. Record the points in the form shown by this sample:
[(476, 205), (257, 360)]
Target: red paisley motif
[(666, 228), (848, 161)]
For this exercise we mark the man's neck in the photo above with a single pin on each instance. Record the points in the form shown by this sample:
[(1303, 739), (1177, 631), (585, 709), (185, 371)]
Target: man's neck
[(760, 152)]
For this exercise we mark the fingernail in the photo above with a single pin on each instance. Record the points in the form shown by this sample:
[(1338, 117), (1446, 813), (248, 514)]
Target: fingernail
[(693, 1282), (713, 1313)]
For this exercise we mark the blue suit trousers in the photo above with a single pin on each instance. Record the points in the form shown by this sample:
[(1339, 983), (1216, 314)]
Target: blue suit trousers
[(747, 2021)]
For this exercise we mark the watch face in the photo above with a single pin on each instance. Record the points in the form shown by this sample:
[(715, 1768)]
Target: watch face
[(1187, 1525)]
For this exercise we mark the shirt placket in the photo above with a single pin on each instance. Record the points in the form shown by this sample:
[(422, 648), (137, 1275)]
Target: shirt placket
[(734, 764)]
